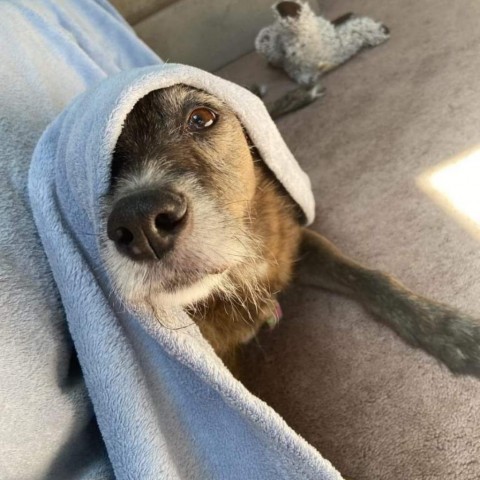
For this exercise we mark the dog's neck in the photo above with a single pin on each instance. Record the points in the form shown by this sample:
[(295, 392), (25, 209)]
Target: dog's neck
[(235, 316)]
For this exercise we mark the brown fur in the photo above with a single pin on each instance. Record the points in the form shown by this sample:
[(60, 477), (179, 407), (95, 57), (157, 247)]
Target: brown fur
[(225, 322)]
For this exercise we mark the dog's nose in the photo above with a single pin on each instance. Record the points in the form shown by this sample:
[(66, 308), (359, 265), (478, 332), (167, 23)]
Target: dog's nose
[(144, 225)]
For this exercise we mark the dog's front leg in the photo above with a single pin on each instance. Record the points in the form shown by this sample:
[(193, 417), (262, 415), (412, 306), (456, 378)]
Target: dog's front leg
[(449, 335)]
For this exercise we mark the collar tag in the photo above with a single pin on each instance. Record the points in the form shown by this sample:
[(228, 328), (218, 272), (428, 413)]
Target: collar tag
[(276, 317)]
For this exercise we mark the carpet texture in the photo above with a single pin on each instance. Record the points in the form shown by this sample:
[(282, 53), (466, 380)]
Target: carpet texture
[(375, 407)]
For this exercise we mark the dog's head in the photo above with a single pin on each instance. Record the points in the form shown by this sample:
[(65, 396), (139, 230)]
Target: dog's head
[(179, 210)]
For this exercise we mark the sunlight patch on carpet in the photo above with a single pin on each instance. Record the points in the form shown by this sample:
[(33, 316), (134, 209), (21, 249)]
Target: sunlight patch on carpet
[(455, 185)]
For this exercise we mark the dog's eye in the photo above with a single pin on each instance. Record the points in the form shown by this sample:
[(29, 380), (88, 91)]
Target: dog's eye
[(201, 118)]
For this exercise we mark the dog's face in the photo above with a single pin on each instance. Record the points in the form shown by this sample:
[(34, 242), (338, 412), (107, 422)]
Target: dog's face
[(183, 179)]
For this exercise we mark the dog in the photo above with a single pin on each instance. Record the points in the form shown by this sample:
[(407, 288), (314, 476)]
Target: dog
[(196, 220)]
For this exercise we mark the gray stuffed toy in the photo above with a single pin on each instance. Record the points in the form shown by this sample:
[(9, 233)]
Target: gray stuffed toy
[(306, 45)]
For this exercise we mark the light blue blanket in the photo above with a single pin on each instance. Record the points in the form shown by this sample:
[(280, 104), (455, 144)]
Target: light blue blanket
[(165, 405)]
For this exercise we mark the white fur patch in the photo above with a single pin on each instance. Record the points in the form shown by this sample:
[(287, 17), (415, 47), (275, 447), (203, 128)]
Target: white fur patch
[(191, 294)]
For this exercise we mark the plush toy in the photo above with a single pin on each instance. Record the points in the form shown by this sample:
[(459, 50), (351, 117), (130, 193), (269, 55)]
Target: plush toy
[(306, 45)]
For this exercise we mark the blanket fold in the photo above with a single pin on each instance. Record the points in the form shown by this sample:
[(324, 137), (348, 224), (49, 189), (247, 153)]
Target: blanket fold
[(165, 404)]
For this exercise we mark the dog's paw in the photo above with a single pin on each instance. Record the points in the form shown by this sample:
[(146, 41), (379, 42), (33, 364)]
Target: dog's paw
[(456, 340), (449, 335)]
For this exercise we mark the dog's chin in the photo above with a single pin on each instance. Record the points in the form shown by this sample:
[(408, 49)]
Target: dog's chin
[(189, 273), (184, 294), (167, 283)]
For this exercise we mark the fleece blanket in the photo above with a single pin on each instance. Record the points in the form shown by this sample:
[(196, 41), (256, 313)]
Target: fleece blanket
[(165, 405)]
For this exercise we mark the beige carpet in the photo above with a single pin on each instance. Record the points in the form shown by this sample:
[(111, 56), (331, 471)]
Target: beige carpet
[(372, 405)]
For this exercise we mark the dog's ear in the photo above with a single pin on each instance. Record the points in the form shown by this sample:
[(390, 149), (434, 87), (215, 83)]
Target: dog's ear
[(288, 9)]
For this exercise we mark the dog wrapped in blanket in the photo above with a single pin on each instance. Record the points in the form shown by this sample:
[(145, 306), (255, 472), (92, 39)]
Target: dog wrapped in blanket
[(172, 213), (196, 214)]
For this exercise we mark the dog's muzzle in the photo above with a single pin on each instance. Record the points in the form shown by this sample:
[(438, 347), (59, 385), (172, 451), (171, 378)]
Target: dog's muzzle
[(145, 225)]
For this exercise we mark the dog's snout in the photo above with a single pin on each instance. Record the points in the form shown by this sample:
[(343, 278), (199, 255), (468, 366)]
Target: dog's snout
[(144, 225)]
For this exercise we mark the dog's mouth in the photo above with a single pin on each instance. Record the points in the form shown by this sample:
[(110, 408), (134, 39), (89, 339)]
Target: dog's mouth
[(179, 278), (173, 275), (176, 284)]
